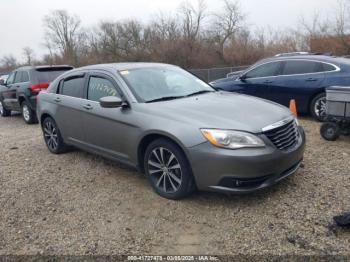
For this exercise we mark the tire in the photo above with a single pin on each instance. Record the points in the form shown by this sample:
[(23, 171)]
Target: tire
[(318, 107), (28, 114), (52, 137), (3, 111), (330, 131), (168, 170)]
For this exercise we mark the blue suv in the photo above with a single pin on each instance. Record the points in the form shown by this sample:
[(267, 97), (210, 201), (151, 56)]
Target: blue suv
[(302, 77)]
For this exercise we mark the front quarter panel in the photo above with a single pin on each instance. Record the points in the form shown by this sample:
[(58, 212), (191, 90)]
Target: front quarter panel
[(185, 135)]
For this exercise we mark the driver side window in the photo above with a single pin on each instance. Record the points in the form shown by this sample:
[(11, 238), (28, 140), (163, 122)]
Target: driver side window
[(100, 87), (11, 78), (265, 70)]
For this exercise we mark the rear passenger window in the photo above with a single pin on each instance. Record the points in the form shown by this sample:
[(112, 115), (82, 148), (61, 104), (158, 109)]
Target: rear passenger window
[(72, 87), (18, 77), (301, 67), (100, 87), (25, 76), (327, 67)]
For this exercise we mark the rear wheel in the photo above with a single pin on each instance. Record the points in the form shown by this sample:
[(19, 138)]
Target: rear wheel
[(28, 114), (168, 170), (330, 131), (318, 107), (3, 111), (52, 136)]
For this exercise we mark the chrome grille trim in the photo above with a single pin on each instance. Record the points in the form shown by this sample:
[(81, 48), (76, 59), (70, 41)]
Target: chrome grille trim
[(285, 134)]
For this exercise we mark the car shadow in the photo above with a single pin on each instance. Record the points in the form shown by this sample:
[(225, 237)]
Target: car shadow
[(283, 187)]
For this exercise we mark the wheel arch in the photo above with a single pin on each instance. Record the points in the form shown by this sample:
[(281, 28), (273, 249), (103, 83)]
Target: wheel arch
[(43, 117), (21, 99), (147, 139), (313, 96)]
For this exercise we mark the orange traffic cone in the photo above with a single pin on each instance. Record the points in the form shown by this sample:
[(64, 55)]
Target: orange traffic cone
[(293, 107)]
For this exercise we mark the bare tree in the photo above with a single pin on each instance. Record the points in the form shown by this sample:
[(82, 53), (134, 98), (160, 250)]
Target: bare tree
[(192, 18), (227, 23), (8, 63), (342, 25), (63, 31), (316, 27), (28, 53)]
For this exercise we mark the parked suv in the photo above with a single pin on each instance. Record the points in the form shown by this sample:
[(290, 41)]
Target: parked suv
[(172, 126), (23, 85), (302, 77)]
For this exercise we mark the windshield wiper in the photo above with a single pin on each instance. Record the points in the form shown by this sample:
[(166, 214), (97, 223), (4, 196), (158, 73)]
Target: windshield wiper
[(199, 92), (165, 98)]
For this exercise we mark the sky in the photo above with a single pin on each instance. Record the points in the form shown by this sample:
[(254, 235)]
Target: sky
[(21, 21)]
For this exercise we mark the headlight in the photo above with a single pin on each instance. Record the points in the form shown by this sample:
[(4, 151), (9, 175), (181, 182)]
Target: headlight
[(232, 139)]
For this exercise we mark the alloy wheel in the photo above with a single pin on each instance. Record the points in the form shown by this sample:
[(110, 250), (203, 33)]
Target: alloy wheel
[(320, 107), (50, 134), (26, 113), (165, 170), (1, 108)]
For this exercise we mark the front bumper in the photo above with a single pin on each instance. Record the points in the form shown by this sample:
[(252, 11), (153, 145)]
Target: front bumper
[(244, 170)]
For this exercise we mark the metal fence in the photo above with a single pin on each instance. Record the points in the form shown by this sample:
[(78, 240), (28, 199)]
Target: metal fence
[(212, 74)]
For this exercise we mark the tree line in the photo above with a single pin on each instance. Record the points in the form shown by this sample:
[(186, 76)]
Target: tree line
[(192, 37)]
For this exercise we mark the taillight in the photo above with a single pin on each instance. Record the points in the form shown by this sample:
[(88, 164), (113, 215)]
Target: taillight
[(39, 87)]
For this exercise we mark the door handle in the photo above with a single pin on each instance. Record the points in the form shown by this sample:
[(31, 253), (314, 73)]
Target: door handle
[(311, 79), (57, 99), (88, 107), (268, 82)]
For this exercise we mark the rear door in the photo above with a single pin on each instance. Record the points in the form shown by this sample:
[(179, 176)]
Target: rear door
[(257, 81), (298, 81), (69, 108), (22, 84), (107, 129)]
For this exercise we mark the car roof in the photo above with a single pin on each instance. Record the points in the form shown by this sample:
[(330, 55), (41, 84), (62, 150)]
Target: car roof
[(321, 58), (45, 67), (124, 66)]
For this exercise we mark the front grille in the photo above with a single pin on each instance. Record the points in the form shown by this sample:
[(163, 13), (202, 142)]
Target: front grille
[(284, 137)]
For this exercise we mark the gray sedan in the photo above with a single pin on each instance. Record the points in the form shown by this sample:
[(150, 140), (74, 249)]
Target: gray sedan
[(173, 127)]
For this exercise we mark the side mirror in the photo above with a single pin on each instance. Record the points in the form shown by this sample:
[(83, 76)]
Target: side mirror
[(2, 82), (242, 78), (111, 102)]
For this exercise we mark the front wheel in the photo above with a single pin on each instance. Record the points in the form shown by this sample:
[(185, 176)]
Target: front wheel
[(28, 114), (168, 170), (3, 111), (330, 131), (318, 107)]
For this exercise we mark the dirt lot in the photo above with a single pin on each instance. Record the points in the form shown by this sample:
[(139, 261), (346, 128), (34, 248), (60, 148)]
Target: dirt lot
[(78, 203)]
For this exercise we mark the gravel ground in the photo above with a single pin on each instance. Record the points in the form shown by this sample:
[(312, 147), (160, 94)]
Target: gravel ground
[(80, 204)]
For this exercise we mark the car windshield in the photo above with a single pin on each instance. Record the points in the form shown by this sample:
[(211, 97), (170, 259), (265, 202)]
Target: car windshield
[(157, 84)]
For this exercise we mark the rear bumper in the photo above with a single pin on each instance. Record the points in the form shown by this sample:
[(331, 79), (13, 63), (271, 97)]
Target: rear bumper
[(243, 170)]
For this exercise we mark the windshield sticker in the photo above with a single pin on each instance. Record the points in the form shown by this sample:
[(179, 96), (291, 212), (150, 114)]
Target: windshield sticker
[(125, 72)]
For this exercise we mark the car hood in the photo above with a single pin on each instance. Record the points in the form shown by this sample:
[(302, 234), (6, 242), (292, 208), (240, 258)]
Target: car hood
[(221, 110)]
